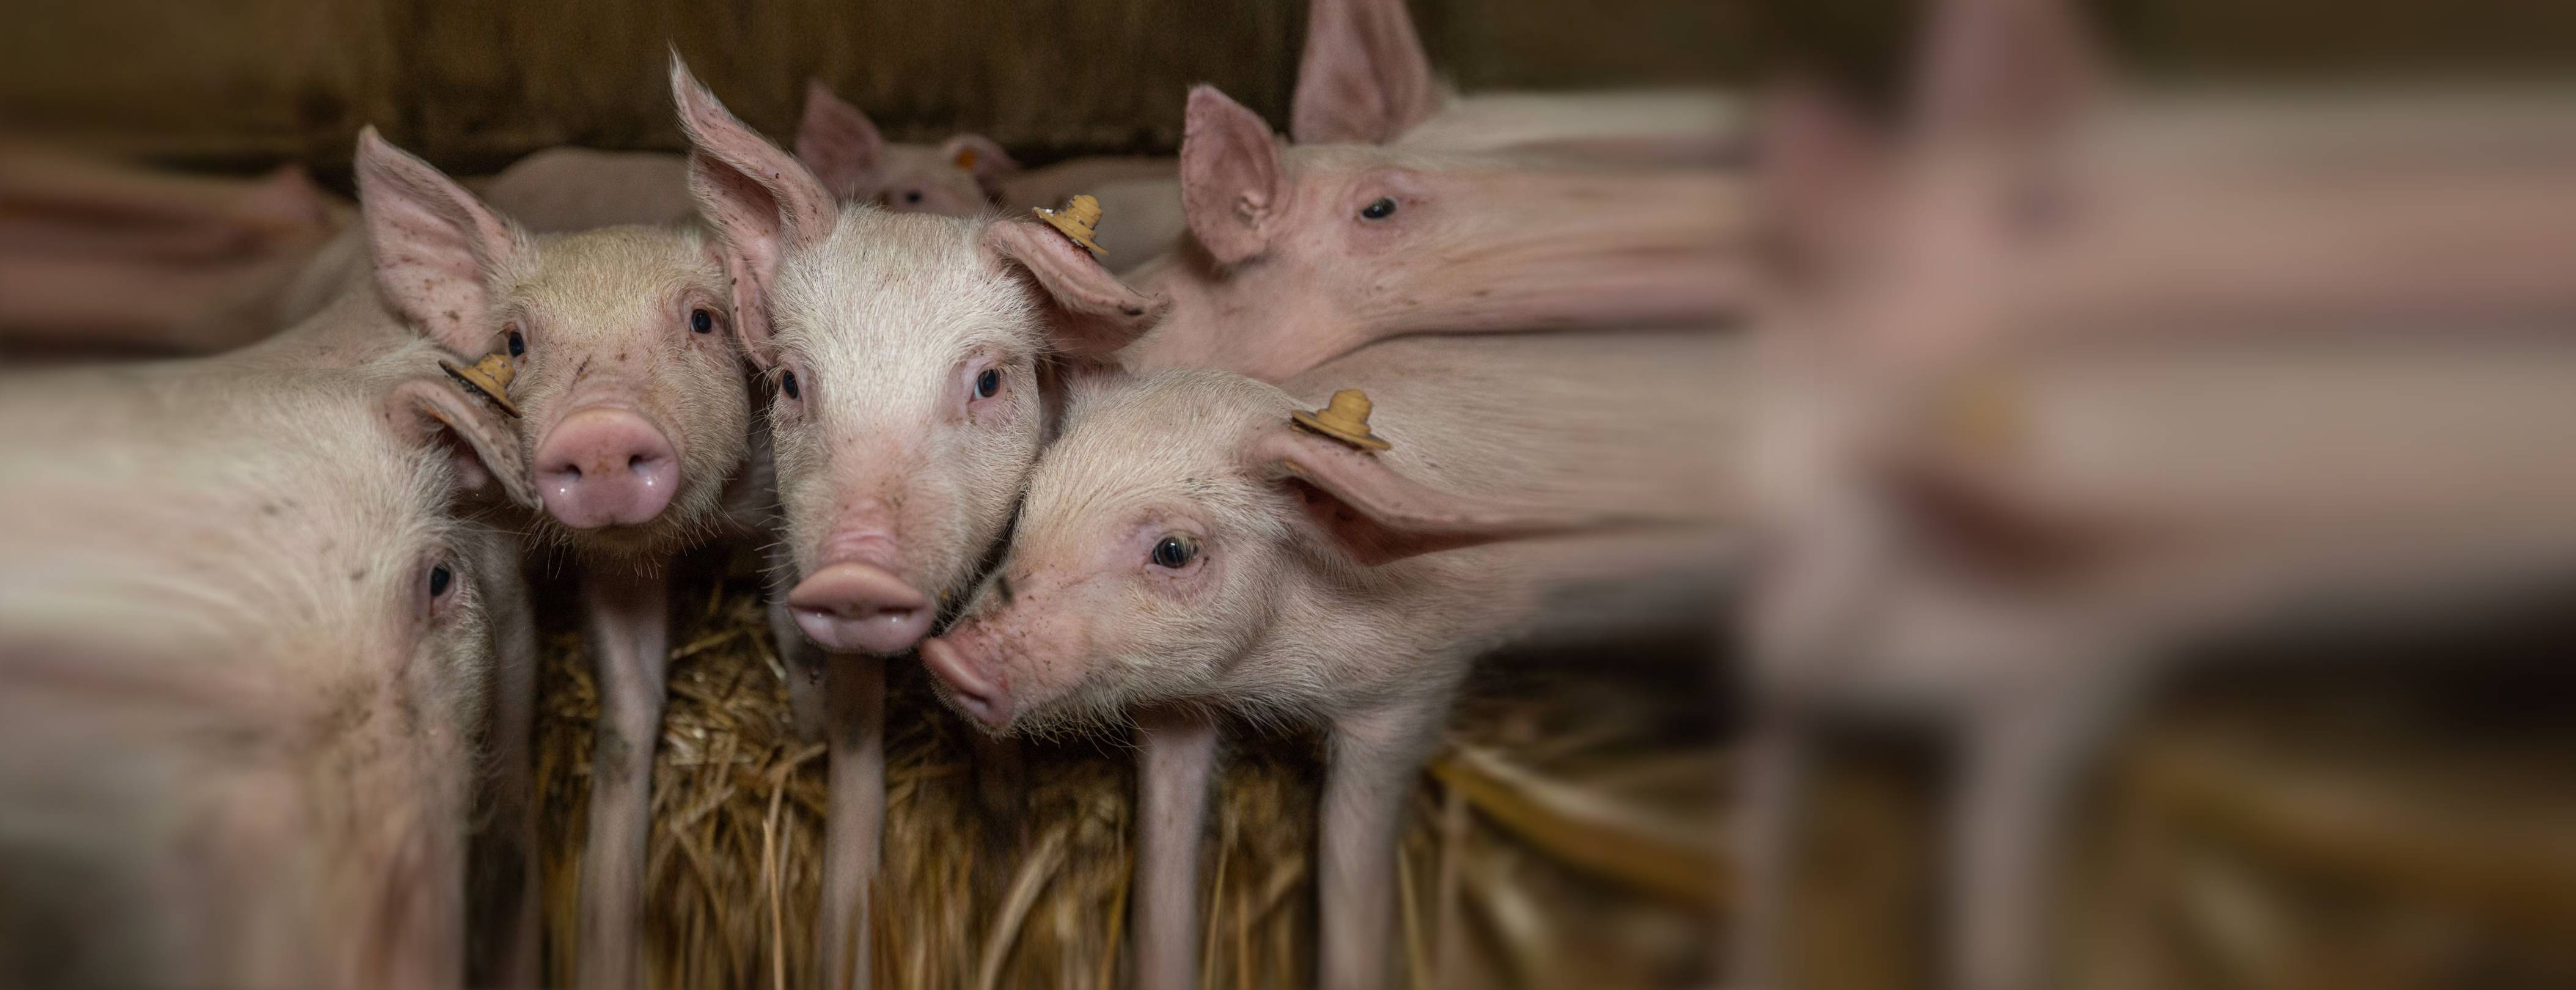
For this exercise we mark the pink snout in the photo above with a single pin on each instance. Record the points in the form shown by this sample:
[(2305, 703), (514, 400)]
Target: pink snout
[(978, 690), (852, 607), (606, 467)]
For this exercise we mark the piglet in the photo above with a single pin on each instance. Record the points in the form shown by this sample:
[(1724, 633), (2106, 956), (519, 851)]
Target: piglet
[(2062, 387), (634, 425), (1185, 549), (906, 354), (248, 615), (1363, 78), (1301, 254)]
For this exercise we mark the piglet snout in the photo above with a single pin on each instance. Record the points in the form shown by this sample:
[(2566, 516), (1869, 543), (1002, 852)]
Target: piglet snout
[(854, 607), (606, 467), (970, 684)]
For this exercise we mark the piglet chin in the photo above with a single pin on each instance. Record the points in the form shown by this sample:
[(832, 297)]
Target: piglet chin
[(860, 608), (986, 698)]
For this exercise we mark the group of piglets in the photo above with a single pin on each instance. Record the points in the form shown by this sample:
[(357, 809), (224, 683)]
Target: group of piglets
[(276, 731)]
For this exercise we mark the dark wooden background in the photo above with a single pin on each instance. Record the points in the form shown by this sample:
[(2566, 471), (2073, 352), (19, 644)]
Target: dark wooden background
[(474, 83)]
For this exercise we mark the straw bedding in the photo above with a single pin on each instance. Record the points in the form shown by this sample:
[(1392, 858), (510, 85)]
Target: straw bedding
[(1573, 815)]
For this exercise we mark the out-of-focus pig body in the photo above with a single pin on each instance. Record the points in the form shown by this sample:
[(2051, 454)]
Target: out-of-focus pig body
[(2062, 385), (246, 642), (1167, 565)]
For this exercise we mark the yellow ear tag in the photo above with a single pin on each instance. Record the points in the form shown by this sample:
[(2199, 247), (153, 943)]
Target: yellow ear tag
[(1345, 418), (1079, 218), (489, 377), (966, 159)]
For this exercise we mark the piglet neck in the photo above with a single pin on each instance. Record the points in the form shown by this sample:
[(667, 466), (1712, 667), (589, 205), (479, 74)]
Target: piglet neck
[(1253, 319)]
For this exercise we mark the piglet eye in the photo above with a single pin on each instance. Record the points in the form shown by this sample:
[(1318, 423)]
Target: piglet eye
[(1380, 210), (912, 196), (1175, 552), (518, 344), (440, 580), (701, 321), (787, 384), (988, 383)]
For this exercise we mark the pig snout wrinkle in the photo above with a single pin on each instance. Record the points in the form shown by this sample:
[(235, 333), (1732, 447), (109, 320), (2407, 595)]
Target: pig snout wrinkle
[(606, 467), (981, 696), (854, 607)]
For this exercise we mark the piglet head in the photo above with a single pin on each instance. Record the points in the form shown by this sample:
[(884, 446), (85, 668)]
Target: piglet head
[(1183, 542), (958, 177), (907, 354), (634, 401), (1366, 242)]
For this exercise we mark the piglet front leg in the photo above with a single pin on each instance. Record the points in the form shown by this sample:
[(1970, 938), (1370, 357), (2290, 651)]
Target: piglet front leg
[(854, 714), (1173, 772), (629, 623), (1376, 753)]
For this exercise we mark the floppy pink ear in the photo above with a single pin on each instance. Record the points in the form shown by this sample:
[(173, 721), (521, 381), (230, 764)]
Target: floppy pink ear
[(2003, 68), (839, 143), (1231, 186), (1363, 78), (1378, 515), (435, 245), (434, 410), (761, 201), (981, 157), (1091, 313)]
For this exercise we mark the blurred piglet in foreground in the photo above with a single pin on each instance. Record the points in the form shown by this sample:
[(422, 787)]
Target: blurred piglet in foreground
[(247, 626), (907, 353), (634, 418), (2068, 382), (1185, 549)]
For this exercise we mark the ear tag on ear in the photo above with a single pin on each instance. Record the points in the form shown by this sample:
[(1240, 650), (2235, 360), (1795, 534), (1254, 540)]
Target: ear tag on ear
[(1986, 414), (490, 376), (1345, 419), (966, 159), (1080, 216)]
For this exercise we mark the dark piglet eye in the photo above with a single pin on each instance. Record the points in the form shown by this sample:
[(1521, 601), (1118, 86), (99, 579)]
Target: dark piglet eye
[(912, 196), (518, 344), (1380, 210), (787, 384), (988, 383), (701, 321), (1174, 552), (439, 580)]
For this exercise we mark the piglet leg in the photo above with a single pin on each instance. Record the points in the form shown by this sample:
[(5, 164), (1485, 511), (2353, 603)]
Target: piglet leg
[(1376, 755), (1773, 788), (505, 888), (630, 642), (1173, 773), (2019, 763), (854, 714), (806, 665)]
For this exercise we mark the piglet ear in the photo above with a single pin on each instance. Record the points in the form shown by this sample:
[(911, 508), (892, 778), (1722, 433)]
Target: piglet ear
[(2003, 69), (1231, 184), (432, 410), (838, 142), (435, 245), (981, 157), (1364, 78), (762, 203), (1091, 313), (1378, 515)]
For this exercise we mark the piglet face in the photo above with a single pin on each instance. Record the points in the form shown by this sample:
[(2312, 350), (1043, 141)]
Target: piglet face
[(635, 405), (1146, 564), (635, 400), (905, 353), (1395, 242)]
